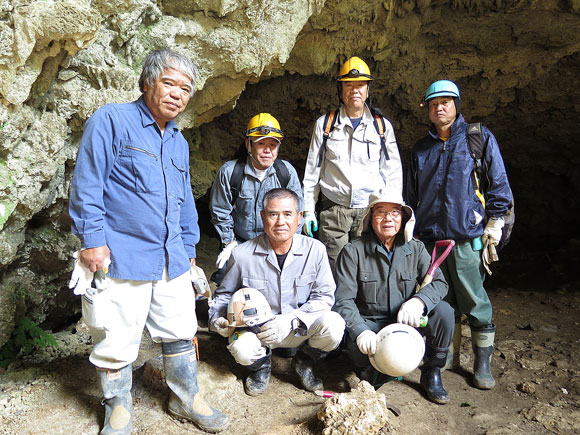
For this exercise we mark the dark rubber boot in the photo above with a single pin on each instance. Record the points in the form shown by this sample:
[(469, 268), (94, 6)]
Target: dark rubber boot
[(116, 386), (259, 377), (482, 343), (303, 365), (435, 359), (185, 402)]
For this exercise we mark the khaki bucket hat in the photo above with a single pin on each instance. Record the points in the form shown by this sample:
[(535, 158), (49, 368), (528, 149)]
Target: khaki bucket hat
[(393, 196)]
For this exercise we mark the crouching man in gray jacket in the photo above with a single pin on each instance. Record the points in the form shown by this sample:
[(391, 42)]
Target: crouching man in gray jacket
[(293, 274)]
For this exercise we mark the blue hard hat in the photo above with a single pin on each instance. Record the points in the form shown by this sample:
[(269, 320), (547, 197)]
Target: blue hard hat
[(442, 88)]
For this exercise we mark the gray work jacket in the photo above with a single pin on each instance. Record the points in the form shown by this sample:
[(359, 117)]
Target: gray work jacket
[(304, 287)]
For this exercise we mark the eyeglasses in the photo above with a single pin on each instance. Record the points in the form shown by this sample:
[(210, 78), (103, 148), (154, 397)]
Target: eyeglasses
[(381, 214)]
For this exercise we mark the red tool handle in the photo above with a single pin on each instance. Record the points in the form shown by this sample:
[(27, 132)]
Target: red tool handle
[(436, 262)]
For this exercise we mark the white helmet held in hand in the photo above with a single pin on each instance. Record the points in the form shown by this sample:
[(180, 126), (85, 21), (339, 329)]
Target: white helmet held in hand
[(248, 308), (400, 349)]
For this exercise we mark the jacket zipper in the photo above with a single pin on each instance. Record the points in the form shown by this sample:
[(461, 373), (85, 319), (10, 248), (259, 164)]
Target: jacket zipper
[(141, 150)]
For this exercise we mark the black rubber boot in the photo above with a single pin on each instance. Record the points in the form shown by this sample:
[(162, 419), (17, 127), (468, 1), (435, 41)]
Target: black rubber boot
[(482, 343), (116, 386), (259, 377), (303, 365), (185, 402), (435, 359)]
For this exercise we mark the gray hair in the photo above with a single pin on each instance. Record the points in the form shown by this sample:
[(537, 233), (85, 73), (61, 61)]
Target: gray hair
[(159, 60), (281, 193)]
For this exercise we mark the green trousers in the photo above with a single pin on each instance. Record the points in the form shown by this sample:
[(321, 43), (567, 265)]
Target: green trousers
[(339, 225), (464, 272)]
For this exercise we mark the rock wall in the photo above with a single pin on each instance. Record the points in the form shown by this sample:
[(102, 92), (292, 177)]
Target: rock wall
[(516, 63)]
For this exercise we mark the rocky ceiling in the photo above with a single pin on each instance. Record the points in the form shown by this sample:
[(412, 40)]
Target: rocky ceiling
[(517, 64)]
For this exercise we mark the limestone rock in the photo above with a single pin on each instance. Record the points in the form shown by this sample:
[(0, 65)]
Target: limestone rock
[(362, 411)]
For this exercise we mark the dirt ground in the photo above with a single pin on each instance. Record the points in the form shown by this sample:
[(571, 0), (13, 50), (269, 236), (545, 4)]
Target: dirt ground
[(535, 365)]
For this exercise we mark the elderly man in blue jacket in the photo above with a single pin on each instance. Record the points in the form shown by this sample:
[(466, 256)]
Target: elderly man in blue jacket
[(450, 203), (133, 210)]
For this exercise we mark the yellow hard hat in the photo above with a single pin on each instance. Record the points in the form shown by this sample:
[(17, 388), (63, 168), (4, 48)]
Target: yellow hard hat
[(354, 69), (264, 125)]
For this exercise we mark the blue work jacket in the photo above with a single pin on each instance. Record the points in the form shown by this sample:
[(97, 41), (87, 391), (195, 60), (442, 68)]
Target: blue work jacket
[(131, 192), (440, 185), (242, 221)]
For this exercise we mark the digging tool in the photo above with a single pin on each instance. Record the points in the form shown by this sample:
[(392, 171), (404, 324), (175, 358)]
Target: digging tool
[(435, 263)]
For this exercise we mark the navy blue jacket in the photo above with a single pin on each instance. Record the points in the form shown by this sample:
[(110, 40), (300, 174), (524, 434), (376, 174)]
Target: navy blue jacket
[(440, 185)]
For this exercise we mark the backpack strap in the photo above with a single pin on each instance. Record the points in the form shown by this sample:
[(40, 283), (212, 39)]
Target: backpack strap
[(379, 122), (236, 178), (282, 172), (329, 121), (477, 144), (238, 174)]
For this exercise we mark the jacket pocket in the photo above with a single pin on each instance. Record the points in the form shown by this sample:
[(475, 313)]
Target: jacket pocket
[(136, 164), (368, 287), (178, 178), (303, 287), (258, 284), (408, 281), (244, 205), (333, 148)]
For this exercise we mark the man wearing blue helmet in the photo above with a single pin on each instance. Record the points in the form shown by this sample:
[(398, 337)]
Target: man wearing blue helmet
[(446, 193)]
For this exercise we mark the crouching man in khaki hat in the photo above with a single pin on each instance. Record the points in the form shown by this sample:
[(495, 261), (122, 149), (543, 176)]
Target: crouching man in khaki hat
[(376, 276)]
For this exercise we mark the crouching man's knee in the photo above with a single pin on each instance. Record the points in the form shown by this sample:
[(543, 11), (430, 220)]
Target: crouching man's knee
[(246, 348), (328, 331)]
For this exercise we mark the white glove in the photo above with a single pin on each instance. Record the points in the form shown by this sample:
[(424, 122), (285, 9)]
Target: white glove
[(277, 329), (81, 277), (488, 255), (224, 256), (199, 281), (310, 223), (410, 312), (221, 326), (492, 231), (367, 342)]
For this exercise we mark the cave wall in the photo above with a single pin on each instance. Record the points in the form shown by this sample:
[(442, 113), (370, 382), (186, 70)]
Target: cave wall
[(516, 63)]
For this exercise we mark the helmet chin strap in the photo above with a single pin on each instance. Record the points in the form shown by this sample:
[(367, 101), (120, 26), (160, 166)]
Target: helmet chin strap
[(249, 148), (253, 159)]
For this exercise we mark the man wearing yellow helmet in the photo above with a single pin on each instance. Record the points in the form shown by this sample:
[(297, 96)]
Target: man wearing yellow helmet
[(353, 152), (240, 186)]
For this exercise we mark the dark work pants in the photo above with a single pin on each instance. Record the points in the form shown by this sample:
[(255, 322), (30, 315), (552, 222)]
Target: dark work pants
[(438, 332)]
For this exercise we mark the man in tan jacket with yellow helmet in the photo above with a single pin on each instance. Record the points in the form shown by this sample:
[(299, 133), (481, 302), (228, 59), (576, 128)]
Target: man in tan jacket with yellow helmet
[(353, 152)]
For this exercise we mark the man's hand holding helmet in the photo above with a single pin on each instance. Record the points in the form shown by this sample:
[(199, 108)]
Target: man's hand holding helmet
[(367, 342), (221, 326), (277, 329)]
